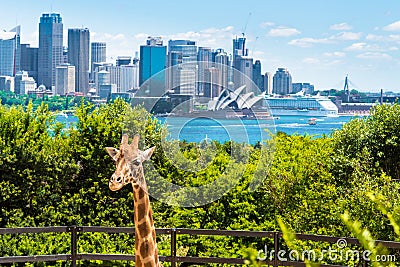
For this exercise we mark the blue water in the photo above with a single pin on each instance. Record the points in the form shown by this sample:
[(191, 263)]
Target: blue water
[(247, 131), (299, 125)]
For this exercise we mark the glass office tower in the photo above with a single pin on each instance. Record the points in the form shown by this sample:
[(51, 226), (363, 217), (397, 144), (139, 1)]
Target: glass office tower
[(50, 53)]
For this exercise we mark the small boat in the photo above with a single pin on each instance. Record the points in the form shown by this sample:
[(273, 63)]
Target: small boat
[(312, 121)]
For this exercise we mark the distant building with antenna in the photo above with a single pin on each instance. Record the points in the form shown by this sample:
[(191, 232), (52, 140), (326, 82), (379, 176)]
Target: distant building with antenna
[(50, 53)]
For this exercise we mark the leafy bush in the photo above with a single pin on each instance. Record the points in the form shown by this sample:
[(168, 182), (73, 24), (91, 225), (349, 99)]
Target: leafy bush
[(54, 176)]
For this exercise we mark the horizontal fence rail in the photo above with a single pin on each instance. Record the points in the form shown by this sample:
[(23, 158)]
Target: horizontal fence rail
[(74, 256)]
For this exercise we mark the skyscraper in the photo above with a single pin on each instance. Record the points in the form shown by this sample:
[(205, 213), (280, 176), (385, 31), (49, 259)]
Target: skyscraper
[(239, 47), (174, 59), (187, 72), (188, 49), (29, 60), (204, 58), (78, 56), (214, 87), (222, 63), (153, 59), (258, 78), (98, 54), (50, 52), (10, 52), (282, 82), (244, 72), (268, 82), (65, 79), (243, 64)]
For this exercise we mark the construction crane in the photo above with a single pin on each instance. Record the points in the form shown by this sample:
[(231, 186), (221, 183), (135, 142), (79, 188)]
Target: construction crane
[(245, 25)]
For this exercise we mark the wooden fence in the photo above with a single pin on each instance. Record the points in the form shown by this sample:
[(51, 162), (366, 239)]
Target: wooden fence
[(74, 256)]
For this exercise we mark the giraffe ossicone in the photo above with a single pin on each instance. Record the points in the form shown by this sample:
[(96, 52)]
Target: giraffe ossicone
[(129, 170)]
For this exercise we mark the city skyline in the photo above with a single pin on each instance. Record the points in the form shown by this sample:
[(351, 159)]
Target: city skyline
[(318, 42)]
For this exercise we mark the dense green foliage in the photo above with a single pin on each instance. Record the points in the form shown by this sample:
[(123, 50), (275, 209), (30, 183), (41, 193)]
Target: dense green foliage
[(54, 103), (55, 176)]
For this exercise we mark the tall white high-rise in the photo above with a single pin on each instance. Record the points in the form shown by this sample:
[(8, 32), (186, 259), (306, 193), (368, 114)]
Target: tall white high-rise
[(10, 52), (268, 82), (65, 79)]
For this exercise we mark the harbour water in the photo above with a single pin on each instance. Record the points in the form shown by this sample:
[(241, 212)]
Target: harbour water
[(248, 131)]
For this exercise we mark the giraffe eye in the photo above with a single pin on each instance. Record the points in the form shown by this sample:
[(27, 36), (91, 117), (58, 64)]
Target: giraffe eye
[(136, 162)]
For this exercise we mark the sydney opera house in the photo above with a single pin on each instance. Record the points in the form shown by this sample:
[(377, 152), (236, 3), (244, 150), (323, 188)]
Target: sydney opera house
[(232, 104)]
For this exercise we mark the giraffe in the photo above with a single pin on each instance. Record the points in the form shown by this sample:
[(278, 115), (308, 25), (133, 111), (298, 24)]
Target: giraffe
[(129, 170)]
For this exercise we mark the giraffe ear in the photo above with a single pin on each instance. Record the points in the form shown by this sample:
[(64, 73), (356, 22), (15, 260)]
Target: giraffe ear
[(112, 152), (147, 153)]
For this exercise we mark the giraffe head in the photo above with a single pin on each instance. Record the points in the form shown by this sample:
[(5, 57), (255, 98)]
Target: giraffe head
[(128, 159)]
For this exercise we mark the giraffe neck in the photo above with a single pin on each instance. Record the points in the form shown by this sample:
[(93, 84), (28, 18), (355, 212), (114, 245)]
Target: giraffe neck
[(146, 252)]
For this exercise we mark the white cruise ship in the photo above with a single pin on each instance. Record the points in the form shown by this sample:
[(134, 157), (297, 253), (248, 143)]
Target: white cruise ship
[(300, 105)]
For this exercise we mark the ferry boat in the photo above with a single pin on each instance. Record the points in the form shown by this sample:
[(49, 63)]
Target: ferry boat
[(301, 105), (312, 121)]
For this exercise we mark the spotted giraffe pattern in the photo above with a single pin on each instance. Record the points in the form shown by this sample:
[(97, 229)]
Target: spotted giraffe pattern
[(129, 170)]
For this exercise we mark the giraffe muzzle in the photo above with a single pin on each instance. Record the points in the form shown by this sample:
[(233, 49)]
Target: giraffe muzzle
[(115, 183)]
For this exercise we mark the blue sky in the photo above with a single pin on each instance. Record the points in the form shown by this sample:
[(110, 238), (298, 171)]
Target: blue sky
[(318, 41)]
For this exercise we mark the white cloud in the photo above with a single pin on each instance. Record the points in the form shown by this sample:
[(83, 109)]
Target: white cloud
[(141, 36), (311, 60), (257, 53), (341, 27), (335, 54), (383, 38), (212, 37), (375, 37), (119, 44), (216, 30), (333, 62), (266, 24), (395, 26), (394, 37), (356, 47), (347, 36), (283, 32), (343, 36), (374, 55), (308, 42), (370, 48), (114, 37)]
